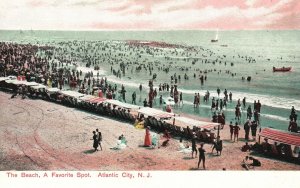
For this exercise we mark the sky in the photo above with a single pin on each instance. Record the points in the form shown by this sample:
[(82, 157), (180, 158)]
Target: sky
[(150, 14)]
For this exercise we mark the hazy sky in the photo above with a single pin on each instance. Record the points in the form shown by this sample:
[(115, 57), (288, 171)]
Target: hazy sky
[(149, 14)]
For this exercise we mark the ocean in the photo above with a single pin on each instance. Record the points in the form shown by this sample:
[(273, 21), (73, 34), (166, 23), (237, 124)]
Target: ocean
[(277, 92)]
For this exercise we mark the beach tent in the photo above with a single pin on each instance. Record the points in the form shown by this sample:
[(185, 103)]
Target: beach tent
[(92, 99), (155, 113), (31, 83), (281, 136), (8, 78), (86, 98), (19, 82), (192, 122), (122, 104), (97, 100), (73, 94), (4, 78), (39, 86), (52, 90), (15, 82)]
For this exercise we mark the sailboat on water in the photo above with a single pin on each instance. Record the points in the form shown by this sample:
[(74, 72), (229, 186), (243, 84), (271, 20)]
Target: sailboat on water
[(216, 37)]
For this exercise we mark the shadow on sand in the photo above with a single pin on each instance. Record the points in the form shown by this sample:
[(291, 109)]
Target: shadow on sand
[(90, 151), (227, 141), (187, 158), (147, 147), (213, 155), (194, 168)]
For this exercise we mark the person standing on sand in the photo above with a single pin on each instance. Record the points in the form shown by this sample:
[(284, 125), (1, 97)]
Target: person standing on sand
[(99, 139), (247, 129), (95, 143), (236, 132), (231, 127), (230, 97), (147, 141), (194, 148), (218, 145), (221, 119), (253, 128), (201, 156)]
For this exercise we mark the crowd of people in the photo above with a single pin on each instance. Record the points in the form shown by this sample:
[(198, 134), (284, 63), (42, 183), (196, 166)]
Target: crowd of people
[(54, 66)]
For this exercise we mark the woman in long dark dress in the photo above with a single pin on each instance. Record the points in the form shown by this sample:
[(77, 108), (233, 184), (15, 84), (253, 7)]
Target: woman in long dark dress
[(96, 143), (100, 139)]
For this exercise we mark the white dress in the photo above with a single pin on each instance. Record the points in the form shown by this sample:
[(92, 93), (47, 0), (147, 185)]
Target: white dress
[(120, 145), (183, 149)]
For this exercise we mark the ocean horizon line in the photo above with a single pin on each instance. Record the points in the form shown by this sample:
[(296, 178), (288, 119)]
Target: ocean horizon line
[(146, 30)]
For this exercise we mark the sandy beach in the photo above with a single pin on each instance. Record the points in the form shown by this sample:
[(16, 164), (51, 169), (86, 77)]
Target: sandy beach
[(39, 135)]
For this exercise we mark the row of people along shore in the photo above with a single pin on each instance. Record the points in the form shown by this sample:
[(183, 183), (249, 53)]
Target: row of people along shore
[(21, 60)]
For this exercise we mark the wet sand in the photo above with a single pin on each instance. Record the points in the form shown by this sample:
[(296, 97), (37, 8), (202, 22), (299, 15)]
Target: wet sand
[(39, 135)]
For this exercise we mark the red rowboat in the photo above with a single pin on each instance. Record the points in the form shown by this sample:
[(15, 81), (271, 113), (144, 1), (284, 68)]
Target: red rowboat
[(282, 69)]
